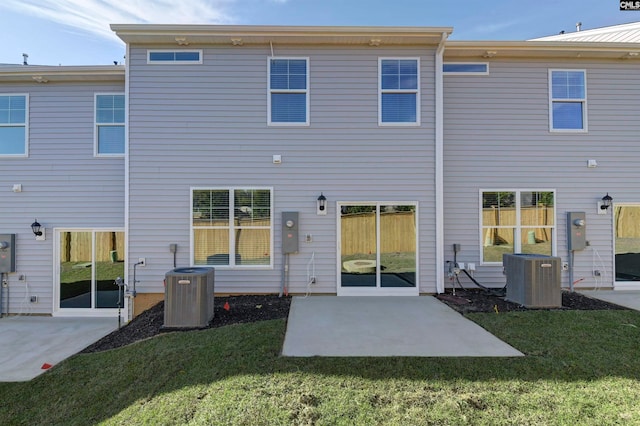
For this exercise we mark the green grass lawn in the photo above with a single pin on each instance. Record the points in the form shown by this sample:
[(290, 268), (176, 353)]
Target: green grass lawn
[(582, 367)]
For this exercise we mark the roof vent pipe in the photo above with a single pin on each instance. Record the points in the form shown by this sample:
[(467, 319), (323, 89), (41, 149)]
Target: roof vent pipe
[(24, 59), (578, 26)]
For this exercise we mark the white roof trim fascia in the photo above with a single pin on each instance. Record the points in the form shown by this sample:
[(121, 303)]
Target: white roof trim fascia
[(274, 30), (62, 73), (504, 49), (238, 35)]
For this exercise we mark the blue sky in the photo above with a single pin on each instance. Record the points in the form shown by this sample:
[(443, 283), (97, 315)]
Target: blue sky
[(76, 32)]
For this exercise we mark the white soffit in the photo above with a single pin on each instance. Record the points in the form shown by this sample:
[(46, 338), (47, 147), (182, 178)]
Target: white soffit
[(292, 35)]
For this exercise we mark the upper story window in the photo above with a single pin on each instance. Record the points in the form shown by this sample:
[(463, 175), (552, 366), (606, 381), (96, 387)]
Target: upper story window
[(517, 221), (288, 102), (466, 68), (232, 227), (110, 124), (399, 93), (14, 125), (568, 100), (174, 56)]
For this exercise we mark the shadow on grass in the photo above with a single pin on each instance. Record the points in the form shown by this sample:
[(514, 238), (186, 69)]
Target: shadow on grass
[(572, 346)]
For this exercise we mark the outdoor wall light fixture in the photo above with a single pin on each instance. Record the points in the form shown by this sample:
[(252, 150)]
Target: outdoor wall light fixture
[(35, 227), (604, 204), (322, 205)]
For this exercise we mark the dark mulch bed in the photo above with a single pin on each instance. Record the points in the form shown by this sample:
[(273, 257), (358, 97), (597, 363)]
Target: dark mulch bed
[(243, 309), (467, 301)]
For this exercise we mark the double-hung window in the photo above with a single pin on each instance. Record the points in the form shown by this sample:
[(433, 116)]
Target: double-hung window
[(517, 221), (232, 227), (568, 100), (288, 102), (110, 124), (399, 91), (14, 125)]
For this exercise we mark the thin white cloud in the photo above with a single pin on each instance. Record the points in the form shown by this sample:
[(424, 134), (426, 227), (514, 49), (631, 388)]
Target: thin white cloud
[(497, 27), (94, 16)]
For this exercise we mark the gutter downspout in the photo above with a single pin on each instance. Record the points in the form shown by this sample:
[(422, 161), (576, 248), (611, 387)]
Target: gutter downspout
[(128, 301), (439, 166)]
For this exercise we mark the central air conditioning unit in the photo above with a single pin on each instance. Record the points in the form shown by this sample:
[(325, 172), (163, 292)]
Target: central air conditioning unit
[(188, 297), (533, 281)]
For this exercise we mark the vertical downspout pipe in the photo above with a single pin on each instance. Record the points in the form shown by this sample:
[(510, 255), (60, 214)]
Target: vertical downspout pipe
[(129, 309), (439, 166)]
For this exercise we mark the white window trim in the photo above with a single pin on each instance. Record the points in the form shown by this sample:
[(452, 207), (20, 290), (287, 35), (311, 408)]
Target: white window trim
[(230, 227), (26, 126), (619, 285), (465, 72), (307, 91), (517, 227), (96, 124), (176, 62), (585, 126), (416, 91)]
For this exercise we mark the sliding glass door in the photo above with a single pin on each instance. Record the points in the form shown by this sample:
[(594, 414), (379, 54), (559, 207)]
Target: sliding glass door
[(627, 246), (89, 262), (378, 249)]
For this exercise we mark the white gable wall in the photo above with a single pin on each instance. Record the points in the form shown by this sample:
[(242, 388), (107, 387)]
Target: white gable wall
[(497, 137), (63, 184), (206, 126)]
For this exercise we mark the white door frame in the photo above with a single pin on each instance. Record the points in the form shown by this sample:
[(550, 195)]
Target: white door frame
[(377, 290), (620, 285), (80, 312)]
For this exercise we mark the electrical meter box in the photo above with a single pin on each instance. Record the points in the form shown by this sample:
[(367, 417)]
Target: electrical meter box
[(577, 230), (7, 253), (289, 232)]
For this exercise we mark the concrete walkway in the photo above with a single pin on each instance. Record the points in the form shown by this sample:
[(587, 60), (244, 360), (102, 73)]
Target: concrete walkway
[(627, 298), (385, 326), (27, 343)]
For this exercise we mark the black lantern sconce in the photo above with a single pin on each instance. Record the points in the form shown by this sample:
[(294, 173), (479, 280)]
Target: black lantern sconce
[(321, 205), (37, 230), (604, 204)]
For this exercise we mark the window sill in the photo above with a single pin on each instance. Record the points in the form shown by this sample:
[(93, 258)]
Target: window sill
[(569, 131), (292, 124), (399, 124)]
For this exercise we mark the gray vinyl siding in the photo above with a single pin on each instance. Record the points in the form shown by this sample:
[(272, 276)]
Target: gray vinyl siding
[(497, 137), (63, 184), (206, 126)]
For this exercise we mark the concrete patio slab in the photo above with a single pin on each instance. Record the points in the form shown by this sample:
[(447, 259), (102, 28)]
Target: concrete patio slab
[(28, 342), (627, 298), (419, 326)]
